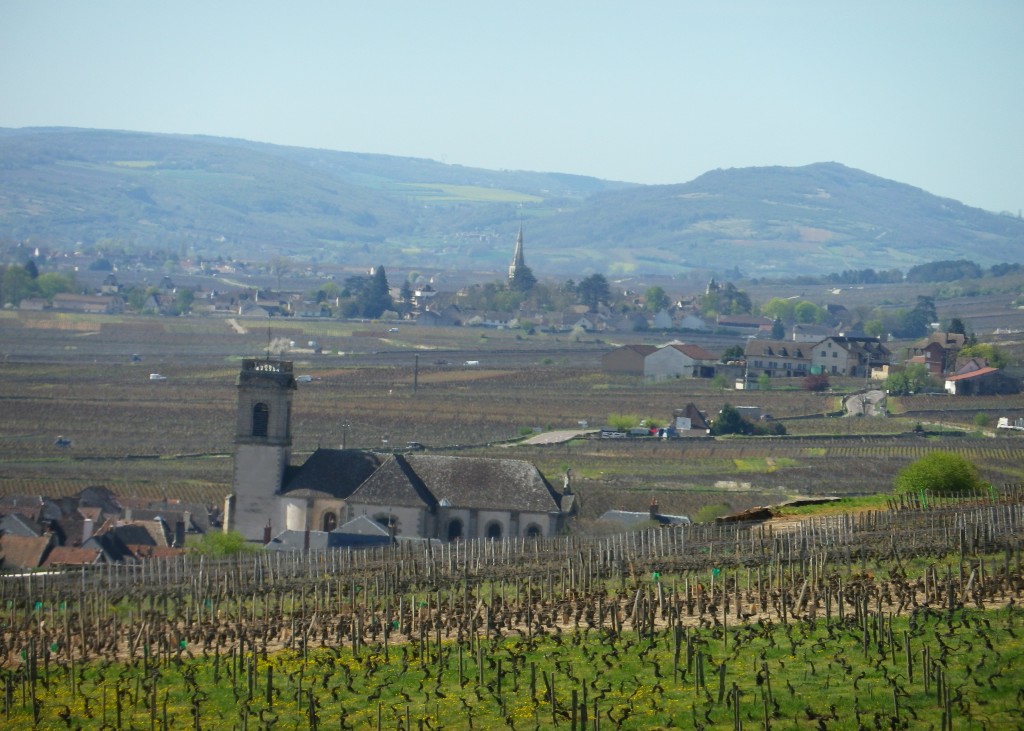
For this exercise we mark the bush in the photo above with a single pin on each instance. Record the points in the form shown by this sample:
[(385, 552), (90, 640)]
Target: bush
[(942, 473), (216, 543), (816, 382)]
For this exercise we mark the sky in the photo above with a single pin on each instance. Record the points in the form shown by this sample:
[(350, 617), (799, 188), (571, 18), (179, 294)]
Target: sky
[(922, 92)]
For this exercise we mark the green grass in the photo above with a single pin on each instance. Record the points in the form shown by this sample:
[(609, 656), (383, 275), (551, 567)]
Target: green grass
[(874, 672)]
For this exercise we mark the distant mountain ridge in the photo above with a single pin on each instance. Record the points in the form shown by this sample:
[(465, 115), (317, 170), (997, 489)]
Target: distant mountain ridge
[(228, 197)]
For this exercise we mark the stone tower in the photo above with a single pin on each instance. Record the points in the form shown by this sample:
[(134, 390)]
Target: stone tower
[(518, 260), (263, 440)]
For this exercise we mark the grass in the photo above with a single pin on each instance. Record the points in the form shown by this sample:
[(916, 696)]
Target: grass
[(875, 671)]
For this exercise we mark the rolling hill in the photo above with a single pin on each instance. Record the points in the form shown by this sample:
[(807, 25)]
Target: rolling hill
[(67, 188)]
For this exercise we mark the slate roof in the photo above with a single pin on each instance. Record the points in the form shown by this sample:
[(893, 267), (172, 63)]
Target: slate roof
[(460, 482), (330, 473)]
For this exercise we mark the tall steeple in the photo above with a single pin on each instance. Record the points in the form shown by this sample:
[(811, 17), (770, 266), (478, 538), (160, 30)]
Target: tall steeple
[(518, 261)]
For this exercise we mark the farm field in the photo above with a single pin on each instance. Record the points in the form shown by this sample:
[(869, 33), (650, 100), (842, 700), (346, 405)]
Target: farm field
[(891, 620), (873, 619), (74, 376)]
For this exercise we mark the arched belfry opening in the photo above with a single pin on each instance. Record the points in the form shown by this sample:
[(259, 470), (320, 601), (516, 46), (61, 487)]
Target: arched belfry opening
[(260, 419)]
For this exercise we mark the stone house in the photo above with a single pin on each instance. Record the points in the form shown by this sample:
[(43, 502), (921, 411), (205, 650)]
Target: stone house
[(841, 355), (777, 358), (680, 360)]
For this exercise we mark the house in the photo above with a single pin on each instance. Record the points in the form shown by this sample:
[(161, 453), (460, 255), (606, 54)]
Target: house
[(938, 352), (680, 360), (414, 495), (842, 355), (777, 358), (92, 304), (745, 323), (690, 420), (983, 381), (634, 519), (810, 333), (627, 359), (24, 552)]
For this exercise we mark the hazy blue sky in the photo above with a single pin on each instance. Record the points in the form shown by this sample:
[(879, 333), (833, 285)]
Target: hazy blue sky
[(923, 92)]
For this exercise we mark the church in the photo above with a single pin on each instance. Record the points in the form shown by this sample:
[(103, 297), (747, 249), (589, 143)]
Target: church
[(411, 495)]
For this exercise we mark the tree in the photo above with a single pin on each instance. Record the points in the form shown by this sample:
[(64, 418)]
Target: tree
[(764, 382), (778, 330), (655, 299), (913, 379), (622, 422), (942, 473), (406, 292), (522, 279), (720, 382), (17, 284), (993, 355), (594, 291), (730, 421), (376, 297), (216, 543), (733, 352), (956, 325)]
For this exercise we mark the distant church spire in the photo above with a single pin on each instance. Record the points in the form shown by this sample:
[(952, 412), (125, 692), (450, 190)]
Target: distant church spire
[(518, 261)]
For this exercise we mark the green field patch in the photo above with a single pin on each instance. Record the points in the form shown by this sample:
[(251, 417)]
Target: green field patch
[(763, 464), (468, 193)]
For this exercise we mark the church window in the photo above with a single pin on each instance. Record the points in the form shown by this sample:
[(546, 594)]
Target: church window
[(455, 529), (533, 531), (493, 531), (330, 521), (260, 419)]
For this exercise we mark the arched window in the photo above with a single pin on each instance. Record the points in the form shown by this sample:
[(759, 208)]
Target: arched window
[(493, 531), (260, 419), (455, 529), (533, 531), (330, 521)]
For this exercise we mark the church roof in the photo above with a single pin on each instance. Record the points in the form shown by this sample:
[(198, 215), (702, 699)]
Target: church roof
[(459, 482), (330, 472)]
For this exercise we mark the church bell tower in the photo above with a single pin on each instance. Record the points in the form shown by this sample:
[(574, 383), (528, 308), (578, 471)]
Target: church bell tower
[(263, 441)]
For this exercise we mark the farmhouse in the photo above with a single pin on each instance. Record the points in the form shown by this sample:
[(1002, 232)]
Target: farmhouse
[(677, 360), (981, 381), (777, 358), (842, 355), (413, 496)]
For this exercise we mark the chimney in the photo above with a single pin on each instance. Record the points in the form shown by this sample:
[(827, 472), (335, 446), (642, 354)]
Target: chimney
[(229, 513), (87, 527), (654, 508)]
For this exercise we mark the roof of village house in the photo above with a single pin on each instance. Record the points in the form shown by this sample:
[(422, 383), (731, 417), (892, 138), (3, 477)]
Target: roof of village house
[(973, 374), (24, 552), (459, 482), (693, 351), (778, 348), (636, 348), (73, 556), (331, 473)]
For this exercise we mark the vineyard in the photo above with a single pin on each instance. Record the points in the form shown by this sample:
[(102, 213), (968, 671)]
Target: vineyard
[(903, 619)]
